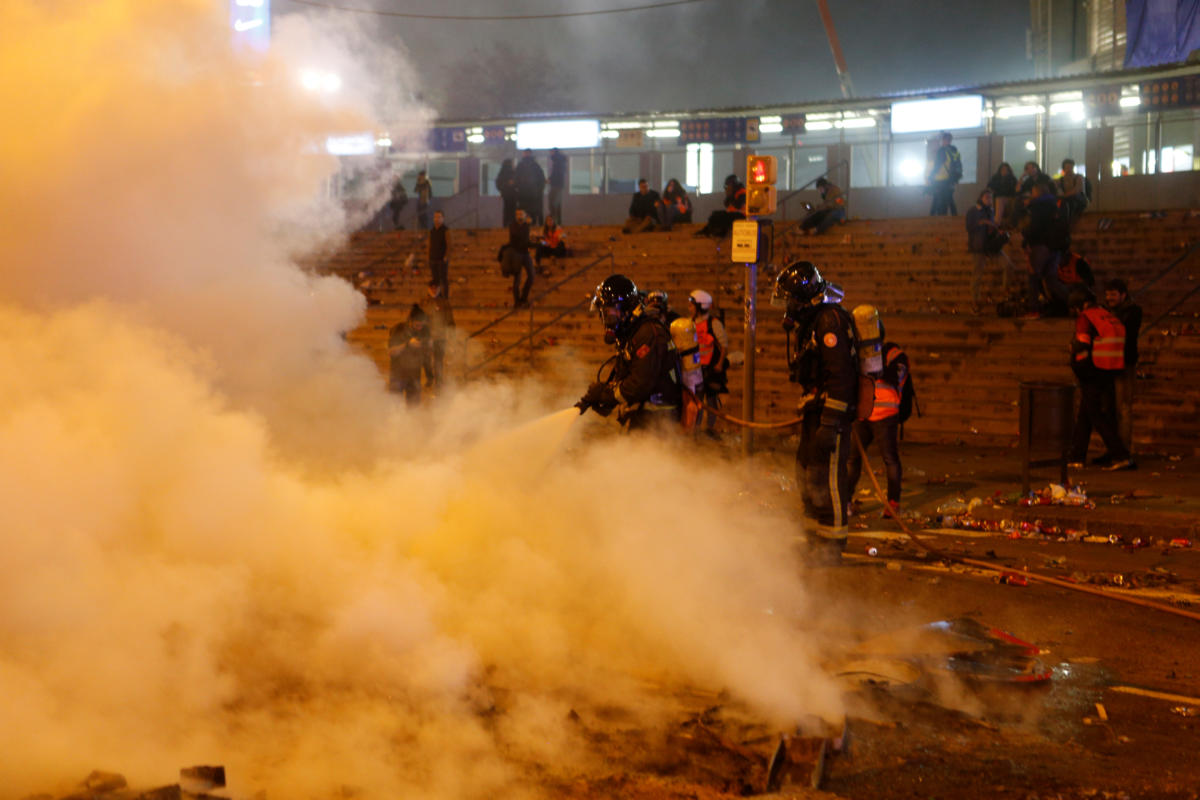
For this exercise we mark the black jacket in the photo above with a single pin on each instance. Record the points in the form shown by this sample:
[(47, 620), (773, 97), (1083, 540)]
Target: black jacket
[(644, 205), (530, 178), (1003, 185), (827, 362), (1130, 314), (646, 370)]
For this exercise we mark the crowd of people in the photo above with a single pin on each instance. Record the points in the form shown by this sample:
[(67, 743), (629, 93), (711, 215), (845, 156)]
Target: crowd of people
[(1043, 211)]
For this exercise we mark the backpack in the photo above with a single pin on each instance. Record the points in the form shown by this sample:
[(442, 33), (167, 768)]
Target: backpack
[(954, 168), (1075, 269), (908, 399)]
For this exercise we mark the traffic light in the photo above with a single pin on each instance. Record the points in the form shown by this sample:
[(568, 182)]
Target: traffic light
[(760, 185)]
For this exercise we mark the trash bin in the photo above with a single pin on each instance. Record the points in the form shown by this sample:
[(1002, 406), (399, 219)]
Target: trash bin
[(1047, 423)]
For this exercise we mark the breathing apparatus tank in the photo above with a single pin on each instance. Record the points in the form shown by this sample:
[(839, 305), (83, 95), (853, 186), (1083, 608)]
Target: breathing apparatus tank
[(870, 339), (683, 334)]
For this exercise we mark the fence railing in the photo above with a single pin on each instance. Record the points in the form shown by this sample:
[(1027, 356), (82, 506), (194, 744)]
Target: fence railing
[(1192, 249), (533, 330)]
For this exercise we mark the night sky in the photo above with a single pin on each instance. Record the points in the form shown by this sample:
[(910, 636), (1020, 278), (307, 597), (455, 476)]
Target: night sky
[(711, 54)]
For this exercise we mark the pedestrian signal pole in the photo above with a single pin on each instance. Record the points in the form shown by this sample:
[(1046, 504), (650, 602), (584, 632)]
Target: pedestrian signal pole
[(750, 249)]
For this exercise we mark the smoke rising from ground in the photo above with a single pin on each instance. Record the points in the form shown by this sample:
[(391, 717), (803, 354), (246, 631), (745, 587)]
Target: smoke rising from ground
[(225, 543)]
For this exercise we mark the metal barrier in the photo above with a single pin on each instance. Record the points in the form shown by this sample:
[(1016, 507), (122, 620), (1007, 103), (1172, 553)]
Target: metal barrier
[(533, 331), (1167, 270)]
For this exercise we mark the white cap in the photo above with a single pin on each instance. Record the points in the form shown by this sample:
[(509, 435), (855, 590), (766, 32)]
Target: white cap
[(701, 298)]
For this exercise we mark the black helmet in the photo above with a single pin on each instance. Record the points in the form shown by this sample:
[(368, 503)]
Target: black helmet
[(617, 300), (798, 284)]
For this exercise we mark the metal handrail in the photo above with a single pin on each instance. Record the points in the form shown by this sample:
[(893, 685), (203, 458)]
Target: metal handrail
[(544, 292), (1168, 269), (1150, 326), (528, 336), (783, 201), (467, 370)]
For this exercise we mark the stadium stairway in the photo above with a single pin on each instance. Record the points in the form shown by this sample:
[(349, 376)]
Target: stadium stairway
[(916, 271)]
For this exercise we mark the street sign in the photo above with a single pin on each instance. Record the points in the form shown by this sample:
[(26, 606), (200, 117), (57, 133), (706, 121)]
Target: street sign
[(745, 242)]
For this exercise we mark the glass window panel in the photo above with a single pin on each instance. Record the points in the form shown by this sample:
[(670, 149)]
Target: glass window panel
[(586, 173), (1179, 139), (622, 172), (809, 163), (674, 165), (443, 174), (1019, 148), (488, 170), (865, 167), (1065, 144), (909, 163)]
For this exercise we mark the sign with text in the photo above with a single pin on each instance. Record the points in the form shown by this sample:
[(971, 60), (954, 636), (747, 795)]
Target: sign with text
[(744, 249), (631, 137), (719, 130)]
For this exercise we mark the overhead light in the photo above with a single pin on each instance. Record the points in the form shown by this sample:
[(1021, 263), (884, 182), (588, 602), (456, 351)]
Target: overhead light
[(1130, 102), (1075, 109), (564, 134), (856, 122), (770, 127), (769, 120), (476, 138), (383, 141), (609, 134), (670, 123), (943, 113), (358, 144), (1030, 146), (622, 126), (819, 125), (315, 80), (1019, 111), (663, 133)]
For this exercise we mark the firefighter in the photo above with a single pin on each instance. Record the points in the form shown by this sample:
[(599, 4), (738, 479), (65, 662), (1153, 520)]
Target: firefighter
[(714, 358), (1097, 357), (824, 361), (880, 417), (643, 384)]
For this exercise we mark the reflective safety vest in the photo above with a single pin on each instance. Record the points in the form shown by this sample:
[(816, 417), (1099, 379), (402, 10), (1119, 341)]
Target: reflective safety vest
[(1103, 335), (551, 238), (887, 395), (708, 342), (733, 204)]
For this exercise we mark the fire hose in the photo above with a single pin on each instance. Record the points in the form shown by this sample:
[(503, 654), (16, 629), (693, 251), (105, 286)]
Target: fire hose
[(931, 550)]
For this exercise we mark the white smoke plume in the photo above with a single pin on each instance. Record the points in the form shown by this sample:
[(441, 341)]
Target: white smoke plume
[(224, 542)]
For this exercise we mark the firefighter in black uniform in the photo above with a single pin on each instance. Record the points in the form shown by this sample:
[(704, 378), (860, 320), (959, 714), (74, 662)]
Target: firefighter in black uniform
[(823, 359), (643, 385)]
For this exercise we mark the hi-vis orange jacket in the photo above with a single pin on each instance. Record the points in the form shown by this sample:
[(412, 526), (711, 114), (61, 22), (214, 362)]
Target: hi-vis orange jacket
[(1099, 339), (890, 384)]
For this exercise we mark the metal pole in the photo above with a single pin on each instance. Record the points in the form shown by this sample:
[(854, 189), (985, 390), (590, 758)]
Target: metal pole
[(749, 331)]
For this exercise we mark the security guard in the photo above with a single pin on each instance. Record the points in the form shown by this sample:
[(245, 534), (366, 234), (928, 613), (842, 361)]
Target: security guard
[(643, 385), (823, 359)]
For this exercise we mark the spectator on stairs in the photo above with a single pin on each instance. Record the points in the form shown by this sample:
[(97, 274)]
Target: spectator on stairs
[(1118, 301), (1072, 187), (720, 222), (1004, 193), (944, 173), (439, 253), (553, 242), (1097, 356), (1047, 237), (408, 352), (675, 205), (831, 211), (506, 185), (643, 209), (531, 188), (440, 321), (515, 259), (424, 191), (986, 242), (558, 182)]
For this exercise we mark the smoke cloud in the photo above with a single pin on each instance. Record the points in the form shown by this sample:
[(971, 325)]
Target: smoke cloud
[(224, 542)]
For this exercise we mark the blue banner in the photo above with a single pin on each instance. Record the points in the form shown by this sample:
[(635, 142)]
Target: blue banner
[(1161, 31)]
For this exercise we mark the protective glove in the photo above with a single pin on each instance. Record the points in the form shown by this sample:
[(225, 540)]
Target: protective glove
[(591, 397)]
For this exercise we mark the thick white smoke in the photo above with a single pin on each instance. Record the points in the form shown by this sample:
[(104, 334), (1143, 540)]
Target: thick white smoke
[(224, 542)]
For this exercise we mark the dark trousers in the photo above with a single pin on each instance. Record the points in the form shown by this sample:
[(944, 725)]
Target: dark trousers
[(509, 214), (521, 292), (422, 216), (887, 433), (1097, 410), (439, 275), (407, 383), (556, 193), (558, 251), (531, 204), (1043, 263), (943, 199), (822, 462), (823, 219), (434, 365), (720, 223)]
